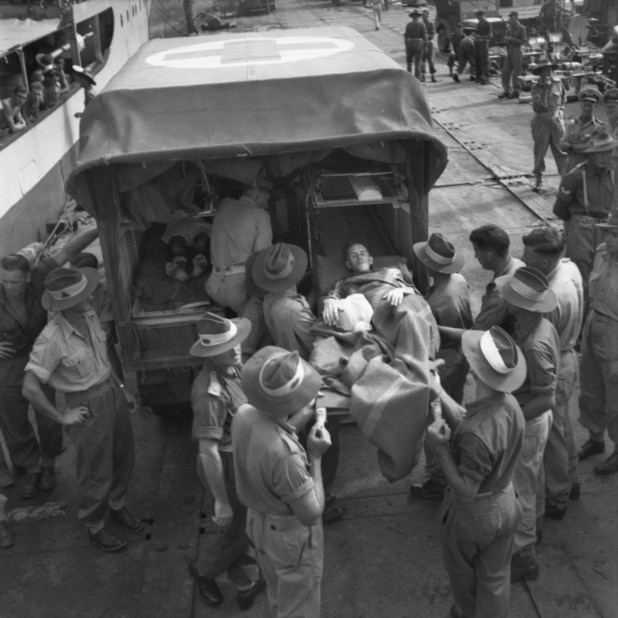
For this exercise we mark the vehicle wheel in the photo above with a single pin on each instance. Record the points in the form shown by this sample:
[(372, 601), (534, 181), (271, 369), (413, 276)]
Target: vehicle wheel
[(443, 41)]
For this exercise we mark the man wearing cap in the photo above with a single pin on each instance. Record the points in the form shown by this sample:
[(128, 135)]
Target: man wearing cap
[(215, 396), (480, 510), (578, 131), (449, 299), (22, 318), (414, 39), (511, 69), (482, 37), (586, 197), (430, 30), (543, 249), (240, 227), (548, 99), (280, 482), (598, 402), (70, 355), (529, 297)]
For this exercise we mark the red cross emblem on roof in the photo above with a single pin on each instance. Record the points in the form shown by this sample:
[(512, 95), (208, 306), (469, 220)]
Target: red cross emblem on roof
[(247, 51)]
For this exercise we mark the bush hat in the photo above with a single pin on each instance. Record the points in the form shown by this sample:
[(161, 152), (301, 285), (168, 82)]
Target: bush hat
[(279, 267), (611, 223), (279, 382), (67, 287), (600, 141), (45, 61), (589, 93), (218, 334), (415, 13), (494, 358), (527, 288), (439, 254), (84, 73)]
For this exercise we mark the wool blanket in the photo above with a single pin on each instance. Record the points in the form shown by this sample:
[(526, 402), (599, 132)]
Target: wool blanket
[(387, 373)]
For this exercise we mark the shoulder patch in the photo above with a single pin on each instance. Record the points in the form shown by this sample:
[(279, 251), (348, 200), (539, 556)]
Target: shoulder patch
[(214, 387)]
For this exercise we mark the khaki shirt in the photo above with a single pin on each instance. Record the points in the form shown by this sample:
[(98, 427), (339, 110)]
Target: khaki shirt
[(541, 349), (240, 228), (566, 282), (604, 284), (66, 361), (270, 465)]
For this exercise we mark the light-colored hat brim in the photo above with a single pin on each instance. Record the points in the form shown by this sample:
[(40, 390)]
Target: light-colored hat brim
[(455, 266), (278, 285), (277, 406), (548, 303), (79, 70), (52, 304), (45, 67), (243, 327), (503, 382)]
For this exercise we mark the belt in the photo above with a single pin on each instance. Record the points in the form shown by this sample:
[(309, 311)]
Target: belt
[(237, 269), (77, 398), (552, 114), (278, 522), (414, 39)]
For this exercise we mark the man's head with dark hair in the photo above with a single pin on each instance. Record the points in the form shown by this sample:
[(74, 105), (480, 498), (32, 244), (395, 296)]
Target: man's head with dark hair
[(84, 260), (15, 261), (491, 244), (14, 275), (357, 256), (543, 247), (491, 237)]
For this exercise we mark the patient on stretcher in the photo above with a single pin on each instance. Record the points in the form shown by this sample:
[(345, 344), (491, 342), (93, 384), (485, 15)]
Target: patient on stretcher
[(385, 289)]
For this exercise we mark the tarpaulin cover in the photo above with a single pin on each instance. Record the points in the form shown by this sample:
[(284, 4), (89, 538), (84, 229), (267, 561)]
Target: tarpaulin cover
[(267, 94), (20, 32)]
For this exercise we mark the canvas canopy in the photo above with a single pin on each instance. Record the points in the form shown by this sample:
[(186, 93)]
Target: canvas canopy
[(231, 102)]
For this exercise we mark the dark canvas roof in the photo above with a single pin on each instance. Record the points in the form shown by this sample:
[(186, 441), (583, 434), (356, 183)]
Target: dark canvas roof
[(255, 94)]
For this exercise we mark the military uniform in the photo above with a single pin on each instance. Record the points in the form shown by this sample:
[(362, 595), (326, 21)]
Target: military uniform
[(512, 68), (481, 44), (494, 309), (272, 472), (215, 397), (22, 331), (598, 402), (541, 348), (547, 125), (560, 459), (477, 535), (577, 133), (584, 198), (414, 40), (78, 367)]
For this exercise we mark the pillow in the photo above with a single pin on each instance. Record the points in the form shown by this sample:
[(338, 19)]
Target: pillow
[(330, 269)]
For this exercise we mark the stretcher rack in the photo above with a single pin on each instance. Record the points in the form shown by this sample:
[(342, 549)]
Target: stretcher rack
[(331, 190)]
